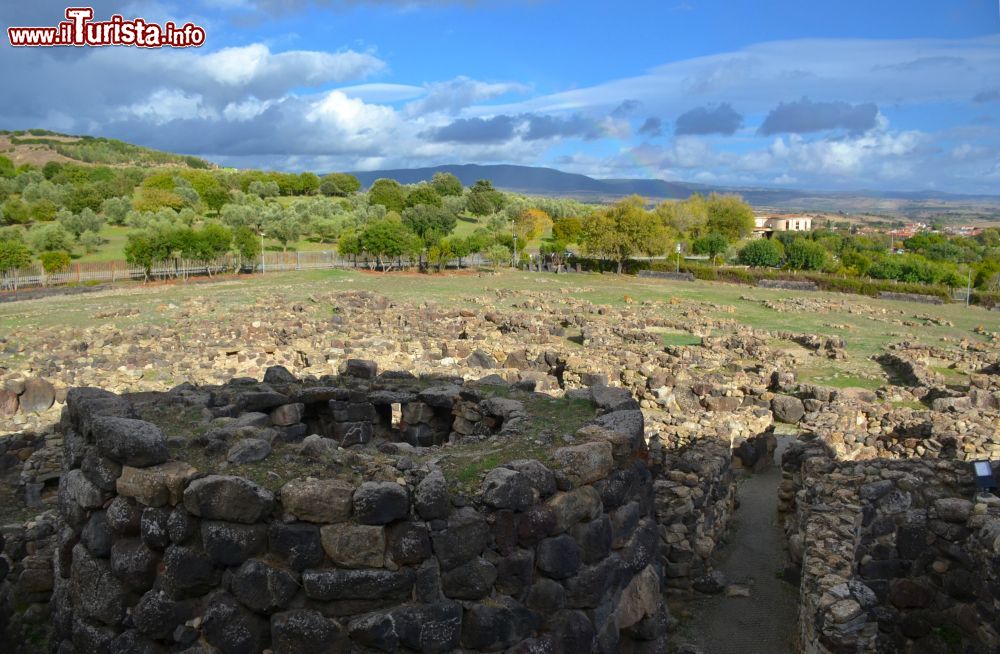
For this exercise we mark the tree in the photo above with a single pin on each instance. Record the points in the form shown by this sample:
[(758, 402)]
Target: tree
[(262, 189), (49, 238), (6, 167), (386, 239), (424, 220), (153, 199), (308, 183), (90, 242), (78, 223), (761, 253), (115, 210), (730, 216), (247, 243), (15, 212), (140, 250), (85, 196), (214, 240), (497, 255), (389, 193), (440, 253), (530, 223), (349, 245), (804, 254), (460, 248), (446, 184), (622, 231), (423, 194), (13, 254), (567, 229), (712, 244), (484, 199), (339, 184)]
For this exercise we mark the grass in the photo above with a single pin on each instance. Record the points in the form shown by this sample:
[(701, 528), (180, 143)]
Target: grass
[(551, 418), (143, 304), (681, 338)]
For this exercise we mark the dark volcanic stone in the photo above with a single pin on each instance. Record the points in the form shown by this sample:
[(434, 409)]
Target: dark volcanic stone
[(96, 592), (298, 543), (124, 516), (154, 527), (464, 538), (409, 543), (97, 535), (304, 631), (498, 625), (135, 443), (157, 616), (231, 628), (379, 503), (504, 488), (220, 497), (470, 581), (559, 557), (134, 563), (431, 497), (263, 587), (572, 630), (335, 584), (187, 572), (230, 543), (594, 538)]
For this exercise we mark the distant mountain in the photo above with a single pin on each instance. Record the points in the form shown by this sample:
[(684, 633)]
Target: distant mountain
[(549, 181)]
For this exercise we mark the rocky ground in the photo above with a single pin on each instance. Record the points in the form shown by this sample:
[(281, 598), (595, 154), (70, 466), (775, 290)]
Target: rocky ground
[(713, 369)]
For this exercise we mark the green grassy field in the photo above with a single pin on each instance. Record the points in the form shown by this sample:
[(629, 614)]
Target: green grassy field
[(864, 335)]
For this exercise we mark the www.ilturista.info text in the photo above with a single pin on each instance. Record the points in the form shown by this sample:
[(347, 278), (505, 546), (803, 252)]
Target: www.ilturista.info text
[(79, 29)]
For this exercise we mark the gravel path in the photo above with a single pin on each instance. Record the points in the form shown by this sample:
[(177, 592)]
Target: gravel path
[(765, 622)]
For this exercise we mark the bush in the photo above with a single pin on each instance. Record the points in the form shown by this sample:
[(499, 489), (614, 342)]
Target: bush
[(762, 253), (55, 262), (803, 254), (13, 254)]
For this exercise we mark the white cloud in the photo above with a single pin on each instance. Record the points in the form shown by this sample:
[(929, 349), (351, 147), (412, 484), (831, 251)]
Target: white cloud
[(165, 105), (458, 93)]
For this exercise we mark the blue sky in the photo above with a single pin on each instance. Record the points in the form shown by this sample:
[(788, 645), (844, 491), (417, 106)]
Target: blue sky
[(833, 96)]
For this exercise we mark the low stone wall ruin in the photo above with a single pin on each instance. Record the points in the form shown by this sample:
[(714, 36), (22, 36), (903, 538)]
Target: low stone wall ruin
[(894, 557), (381, 553)]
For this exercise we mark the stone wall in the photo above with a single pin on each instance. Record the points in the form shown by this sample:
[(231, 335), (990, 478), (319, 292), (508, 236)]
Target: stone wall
[(895, 555), (26, 582), (158, 556), (788, 284)]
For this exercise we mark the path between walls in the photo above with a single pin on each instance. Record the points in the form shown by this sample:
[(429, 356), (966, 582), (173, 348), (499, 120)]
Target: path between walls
[(766, 621)]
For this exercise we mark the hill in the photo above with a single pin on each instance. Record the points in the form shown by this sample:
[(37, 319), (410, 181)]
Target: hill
[(40, 146), (549, 181)]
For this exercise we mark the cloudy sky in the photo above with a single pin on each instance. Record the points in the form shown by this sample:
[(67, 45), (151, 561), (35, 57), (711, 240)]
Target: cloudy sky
[(873, 94)]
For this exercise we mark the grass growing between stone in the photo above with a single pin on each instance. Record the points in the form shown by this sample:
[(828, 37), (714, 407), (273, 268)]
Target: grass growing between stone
[(552, 419)]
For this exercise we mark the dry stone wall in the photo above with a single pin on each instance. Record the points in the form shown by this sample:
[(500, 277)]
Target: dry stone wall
[(896, 555), (155, 555)]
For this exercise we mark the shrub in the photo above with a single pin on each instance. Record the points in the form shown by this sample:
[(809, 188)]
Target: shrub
[(761, 253), (13, 254), (55, 262)]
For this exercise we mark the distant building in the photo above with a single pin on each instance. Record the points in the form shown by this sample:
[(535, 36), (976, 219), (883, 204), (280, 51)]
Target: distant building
[(765, 226)]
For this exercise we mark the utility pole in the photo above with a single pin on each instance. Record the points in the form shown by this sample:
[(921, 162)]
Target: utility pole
[(968, 289), (262, 253), (678, 250), (513, 232)]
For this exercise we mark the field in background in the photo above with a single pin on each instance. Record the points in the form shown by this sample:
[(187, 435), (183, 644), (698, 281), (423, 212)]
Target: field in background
[(867, 325)]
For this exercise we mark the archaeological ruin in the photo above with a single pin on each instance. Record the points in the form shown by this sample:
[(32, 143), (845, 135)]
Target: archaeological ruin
[(549, 477)]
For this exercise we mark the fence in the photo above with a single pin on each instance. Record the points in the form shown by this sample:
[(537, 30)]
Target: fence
[(118, 270)]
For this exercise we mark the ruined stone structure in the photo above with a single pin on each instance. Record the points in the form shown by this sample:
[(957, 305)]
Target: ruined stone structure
[(377, 554)]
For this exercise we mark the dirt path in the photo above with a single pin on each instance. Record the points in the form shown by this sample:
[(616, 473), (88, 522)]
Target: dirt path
[(765, 622)]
